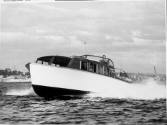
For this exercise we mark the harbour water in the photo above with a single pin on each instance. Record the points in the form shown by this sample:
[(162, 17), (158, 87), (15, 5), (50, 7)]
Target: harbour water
[(20, 105)]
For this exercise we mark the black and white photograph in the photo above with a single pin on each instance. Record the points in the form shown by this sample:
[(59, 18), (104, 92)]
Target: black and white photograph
[(85, 62)]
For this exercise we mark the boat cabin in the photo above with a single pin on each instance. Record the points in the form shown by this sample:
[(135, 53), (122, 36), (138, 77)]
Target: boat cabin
[(90, 63)]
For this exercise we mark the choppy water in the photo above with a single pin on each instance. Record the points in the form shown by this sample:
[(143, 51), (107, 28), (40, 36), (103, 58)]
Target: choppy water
[(20, 105)]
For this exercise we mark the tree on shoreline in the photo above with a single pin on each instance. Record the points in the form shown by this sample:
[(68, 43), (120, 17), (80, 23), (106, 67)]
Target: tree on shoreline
[(9, 72)]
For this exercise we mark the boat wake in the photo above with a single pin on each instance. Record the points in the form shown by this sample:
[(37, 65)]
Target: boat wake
[(147, 89), (21, 92)]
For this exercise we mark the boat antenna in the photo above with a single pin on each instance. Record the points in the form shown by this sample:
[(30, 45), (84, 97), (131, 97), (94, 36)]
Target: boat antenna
[(155, 72), (84, 43)]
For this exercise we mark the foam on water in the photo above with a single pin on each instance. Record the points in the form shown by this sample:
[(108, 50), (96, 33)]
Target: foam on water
[(147, 89), (20, 92)]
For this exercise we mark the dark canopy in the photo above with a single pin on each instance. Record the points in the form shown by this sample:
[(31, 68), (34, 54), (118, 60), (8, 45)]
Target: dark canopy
[(60, 60)]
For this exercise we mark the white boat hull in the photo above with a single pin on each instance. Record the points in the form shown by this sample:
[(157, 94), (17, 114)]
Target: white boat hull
[(56, 81)]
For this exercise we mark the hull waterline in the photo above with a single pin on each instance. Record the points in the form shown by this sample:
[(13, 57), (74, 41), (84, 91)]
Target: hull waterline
[(51, 81), (51, 92)]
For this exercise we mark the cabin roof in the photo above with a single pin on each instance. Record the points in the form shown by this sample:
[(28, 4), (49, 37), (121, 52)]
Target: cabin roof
[(47, 58), (64, 59)]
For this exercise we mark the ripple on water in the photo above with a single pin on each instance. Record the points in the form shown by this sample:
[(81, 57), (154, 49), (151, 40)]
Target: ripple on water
[(31, 109)]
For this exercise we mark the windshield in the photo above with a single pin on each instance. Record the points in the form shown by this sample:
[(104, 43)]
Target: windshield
[(54, 60)]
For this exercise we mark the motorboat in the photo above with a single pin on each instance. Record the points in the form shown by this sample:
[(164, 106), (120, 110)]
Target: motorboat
[(55, 76)]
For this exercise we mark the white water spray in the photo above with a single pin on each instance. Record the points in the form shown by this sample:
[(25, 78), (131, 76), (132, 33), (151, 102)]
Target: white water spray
[(20, 92), (147, 89)]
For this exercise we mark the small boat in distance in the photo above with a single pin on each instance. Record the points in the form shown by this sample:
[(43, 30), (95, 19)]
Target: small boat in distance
[(55, 76)]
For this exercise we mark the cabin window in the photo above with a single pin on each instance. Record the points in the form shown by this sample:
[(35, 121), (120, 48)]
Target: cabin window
[(45, 63), (94, 68), (39, 62), (100, 69), (54, 60), (51, 61), (84, 66), (74, 63), (106, 71), (91, 68), (88, 66), (52, 64), (57, 65)]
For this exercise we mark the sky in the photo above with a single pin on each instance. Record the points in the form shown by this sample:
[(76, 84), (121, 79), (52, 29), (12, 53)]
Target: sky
[(131, 33)]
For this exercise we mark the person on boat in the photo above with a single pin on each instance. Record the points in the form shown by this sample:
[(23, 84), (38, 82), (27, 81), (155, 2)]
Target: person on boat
[(104, 60), (123, 74)]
